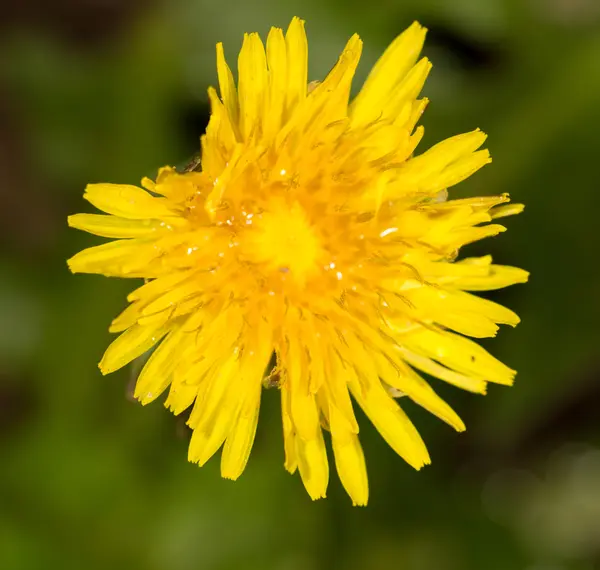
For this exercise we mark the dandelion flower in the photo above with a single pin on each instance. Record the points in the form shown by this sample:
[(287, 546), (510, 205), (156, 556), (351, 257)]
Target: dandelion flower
[(310, 236)]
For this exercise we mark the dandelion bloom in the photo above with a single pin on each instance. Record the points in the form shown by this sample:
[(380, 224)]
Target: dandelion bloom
[(312, 236)]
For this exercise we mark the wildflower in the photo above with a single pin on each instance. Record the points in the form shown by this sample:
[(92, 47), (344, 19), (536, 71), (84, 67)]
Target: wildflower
[(310, 234)]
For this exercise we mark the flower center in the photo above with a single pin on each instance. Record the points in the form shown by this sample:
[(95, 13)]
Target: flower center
[(283, 240)]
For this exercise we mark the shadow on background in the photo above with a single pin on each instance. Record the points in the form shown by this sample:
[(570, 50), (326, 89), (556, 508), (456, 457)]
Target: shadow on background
[(109, 91)]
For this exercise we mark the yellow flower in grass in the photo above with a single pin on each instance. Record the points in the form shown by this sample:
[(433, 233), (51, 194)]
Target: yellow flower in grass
[(313, 234)]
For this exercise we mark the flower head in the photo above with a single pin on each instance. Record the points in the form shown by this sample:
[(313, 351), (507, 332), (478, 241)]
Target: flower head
[(313, 234)]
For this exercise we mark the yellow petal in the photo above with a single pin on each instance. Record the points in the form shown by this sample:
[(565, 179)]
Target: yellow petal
[(221, 335), (476, 204), (349, 458), (407, 91), (458, 171), (255, 359), (313, 465), (351, 467), (297, 64), (239, 441), (277, 62), (127, 318), (134, 342), (114, 227), (304, 412), (317, 359), (337, 389), (434, 161), (417, 108), (252, 85), (127, 201), (181, 396), (158, 286), (328, 102), (414, 141), (392, 423), (473, 274), (218, 392), (289, 433), (303, 407), (220, 139), (458, 311), (508, 210), (411, 384), (200, 371), (466, 382), (157, 372), (172, 298), (388, 72), (458, 353), (215, 413), (227, 86), (466, 236), (205, 442), (120, 258), (499, 276)]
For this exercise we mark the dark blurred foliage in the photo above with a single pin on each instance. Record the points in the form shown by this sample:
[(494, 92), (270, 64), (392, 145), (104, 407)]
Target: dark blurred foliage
[(107, 90)]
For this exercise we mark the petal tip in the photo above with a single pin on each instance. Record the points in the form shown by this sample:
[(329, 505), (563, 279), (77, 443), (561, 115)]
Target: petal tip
[(317, 496), (70, 265), (360, 501)]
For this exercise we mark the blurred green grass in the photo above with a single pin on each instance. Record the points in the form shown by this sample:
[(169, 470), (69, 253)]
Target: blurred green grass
[(91, 479)]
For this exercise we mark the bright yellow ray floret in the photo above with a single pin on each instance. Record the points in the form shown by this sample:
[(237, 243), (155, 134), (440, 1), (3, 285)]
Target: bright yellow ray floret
[(311, 232)]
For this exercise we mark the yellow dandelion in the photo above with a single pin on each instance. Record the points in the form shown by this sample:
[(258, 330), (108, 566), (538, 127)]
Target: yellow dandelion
[(311, 234)]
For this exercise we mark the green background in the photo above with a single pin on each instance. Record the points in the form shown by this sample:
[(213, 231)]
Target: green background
[(110, 91)]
